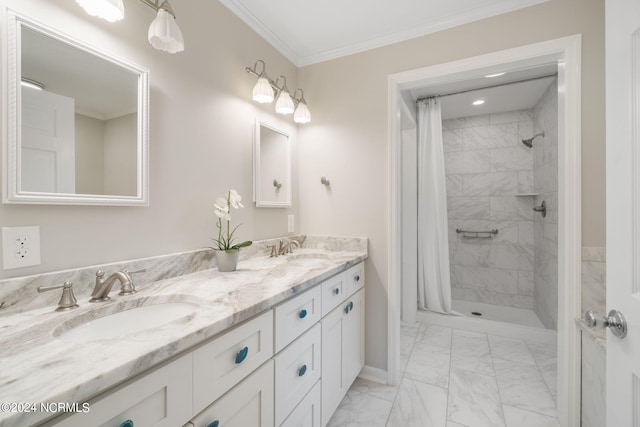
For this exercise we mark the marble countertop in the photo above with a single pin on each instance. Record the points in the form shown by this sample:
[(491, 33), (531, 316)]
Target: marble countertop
[(37, 367)]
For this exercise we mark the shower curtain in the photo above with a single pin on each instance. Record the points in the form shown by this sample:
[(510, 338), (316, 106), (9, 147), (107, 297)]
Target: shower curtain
[(434, 282)]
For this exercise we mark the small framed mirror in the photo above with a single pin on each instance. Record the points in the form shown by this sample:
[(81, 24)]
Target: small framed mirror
[(272, 167), (77, 121)]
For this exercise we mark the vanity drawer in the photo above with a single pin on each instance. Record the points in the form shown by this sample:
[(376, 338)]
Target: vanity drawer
[(307, 413), (249, 404), (222, 363), (295, 316), (333, 292), (297, 370), (355, 278), (161, 398)]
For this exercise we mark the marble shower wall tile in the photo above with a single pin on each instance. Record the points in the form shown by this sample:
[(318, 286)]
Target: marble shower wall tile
[(486, 166), (492, 136), (464, 162), (452, 140), (511, 159), (545, 164), (490, 184)]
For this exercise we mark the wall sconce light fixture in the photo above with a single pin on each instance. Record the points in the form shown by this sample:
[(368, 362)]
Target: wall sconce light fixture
[(265, 90), (164, 33), (109, 10)]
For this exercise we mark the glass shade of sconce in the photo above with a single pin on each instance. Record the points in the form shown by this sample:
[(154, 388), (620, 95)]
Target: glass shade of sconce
[(302, 113), (262, 91), (164, 33), (109, 10), (284, 103)]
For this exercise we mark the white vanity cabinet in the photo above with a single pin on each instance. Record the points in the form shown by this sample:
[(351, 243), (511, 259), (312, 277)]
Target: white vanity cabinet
[(343, 344), (289, 366), (160, 398), (248, 404)]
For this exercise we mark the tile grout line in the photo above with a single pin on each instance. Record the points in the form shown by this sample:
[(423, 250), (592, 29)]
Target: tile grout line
[(495, 373)]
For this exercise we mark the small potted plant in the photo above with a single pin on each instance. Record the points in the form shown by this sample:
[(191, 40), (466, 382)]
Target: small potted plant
[(225, 249)]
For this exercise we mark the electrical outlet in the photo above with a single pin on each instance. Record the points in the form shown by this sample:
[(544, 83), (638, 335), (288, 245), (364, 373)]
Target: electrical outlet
[(20, 247)]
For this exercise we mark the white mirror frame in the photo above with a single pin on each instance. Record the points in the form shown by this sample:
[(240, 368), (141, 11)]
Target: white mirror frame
[(257, 196), (11, 120)]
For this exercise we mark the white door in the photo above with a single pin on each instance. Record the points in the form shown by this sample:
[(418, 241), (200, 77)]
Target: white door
[(623, 207), (47, 142)]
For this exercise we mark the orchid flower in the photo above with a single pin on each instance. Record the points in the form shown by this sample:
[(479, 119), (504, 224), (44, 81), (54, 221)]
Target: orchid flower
[(223, 206)]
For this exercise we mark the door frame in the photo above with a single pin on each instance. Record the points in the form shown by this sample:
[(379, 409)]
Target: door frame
[(567, 52)]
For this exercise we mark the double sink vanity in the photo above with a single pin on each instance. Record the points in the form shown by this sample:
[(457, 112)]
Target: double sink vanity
[(276, 343)]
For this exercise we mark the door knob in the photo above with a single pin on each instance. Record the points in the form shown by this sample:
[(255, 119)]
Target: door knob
[(614, 320)]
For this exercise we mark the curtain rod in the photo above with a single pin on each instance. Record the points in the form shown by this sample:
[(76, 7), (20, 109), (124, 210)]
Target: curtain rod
[(488, 87)]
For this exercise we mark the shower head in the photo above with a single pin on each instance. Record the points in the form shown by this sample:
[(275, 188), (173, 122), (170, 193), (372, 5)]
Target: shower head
[(529, 142)]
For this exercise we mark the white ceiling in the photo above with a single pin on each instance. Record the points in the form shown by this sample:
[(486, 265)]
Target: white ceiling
[(519, 89), (307, 32)]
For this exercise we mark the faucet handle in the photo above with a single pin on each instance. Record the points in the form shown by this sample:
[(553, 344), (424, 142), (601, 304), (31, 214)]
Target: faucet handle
[(68, 300), (128, 287)]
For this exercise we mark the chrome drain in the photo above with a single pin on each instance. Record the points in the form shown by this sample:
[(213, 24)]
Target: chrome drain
[(476, 313)]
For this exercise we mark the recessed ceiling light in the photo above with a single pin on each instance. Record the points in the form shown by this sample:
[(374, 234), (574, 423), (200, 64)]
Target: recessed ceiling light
[(478, 102), (494, 75)]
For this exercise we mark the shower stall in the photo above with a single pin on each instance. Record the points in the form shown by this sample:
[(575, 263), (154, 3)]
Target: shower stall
[(501, 173)]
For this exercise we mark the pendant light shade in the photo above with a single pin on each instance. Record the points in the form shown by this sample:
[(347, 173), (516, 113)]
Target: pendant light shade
[(284, 103), (262, 91), (164, 33), (109, 10), (302, 114)]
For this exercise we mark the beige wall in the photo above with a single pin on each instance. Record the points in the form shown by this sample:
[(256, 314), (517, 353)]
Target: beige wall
[(201, 136), (89, 155), (347, 139)]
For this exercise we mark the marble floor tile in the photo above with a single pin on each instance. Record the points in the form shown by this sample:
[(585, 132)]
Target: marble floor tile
[(516, 417), (419, 405), (474, 400), (429, 363), (372, 388), (454, 424), (408, 332), (546, 358), (510, 349), (472, 353), (522, 386), (361, 410), (438, 336)]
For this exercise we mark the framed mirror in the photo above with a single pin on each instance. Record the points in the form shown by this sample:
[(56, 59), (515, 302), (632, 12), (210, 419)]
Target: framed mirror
[(272, 167), (76, 121)]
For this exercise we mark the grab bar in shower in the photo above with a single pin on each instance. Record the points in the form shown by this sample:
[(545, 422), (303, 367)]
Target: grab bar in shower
[(477, 234)]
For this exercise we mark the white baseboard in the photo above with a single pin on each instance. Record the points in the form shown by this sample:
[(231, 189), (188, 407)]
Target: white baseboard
[(373, 374)]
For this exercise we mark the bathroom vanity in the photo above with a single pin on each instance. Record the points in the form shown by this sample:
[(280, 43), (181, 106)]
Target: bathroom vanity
[(276, 343)]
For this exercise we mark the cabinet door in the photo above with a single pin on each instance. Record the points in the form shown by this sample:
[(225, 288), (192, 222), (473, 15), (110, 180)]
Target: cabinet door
[(307, 413), (161, 398), (333, 386), (248, 404), (297, 370), (353, 339)]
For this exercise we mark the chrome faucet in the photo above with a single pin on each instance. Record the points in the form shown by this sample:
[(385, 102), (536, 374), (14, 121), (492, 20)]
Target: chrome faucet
[(287, 247), (103, 286)]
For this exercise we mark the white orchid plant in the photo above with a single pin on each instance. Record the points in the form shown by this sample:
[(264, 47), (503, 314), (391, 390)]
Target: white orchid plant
[(223, 205)]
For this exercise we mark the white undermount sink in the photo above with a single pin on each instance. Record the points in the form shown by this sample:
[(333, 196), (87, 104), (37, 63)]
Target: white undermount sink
[(126, 322), (307, 259)]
